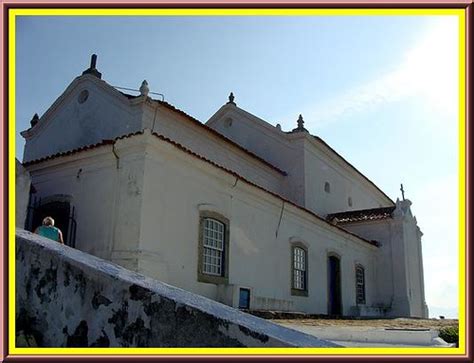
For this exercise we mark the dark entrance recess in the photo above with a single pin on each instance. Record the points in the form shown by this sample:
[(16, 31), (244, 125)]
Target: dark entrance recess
[(334, 286), (61, 211)]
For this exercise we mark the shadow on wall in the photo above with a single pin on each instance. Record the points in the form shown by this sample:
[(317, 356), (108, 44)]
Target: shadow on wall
[(67, 298)]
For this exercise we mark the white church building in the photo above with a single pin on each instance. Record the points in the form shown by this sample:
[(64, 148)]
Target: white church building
[(236, 209)]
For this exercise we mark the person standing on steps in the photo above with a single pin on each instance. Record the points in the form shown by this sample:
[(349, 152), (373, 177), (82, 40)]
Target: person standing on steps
[(48, 230)]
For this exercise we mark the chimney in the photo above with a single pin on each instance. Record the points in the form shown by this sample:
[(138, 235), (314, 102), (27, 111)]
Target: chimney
[(92, 70)]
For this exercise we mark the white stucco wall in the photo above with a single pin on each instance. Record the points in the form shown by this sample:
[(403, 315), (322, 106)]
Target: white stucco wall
[(399, 263), (107, 114), (412, 238), (141, 198), (380, 231), (254, 134), (107, 199), (194, 137), (146, 215), (259, 259), (322, 166), (22, 194), (68, 124), (307, 160), (267, 142)]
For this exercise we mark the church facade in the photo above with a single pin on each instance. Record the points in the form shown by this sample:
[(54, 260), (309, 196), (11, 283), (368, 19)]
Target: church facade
[(236, 209)]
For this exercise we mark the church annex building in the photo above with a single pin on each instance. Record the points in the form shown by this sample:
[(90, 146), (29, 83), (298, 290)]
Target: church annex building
[(237, 210)]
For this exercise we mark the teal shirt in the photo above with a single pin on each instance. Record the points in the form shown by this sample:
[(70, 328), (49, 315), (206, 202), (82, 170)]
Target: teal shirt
[(49, 232)]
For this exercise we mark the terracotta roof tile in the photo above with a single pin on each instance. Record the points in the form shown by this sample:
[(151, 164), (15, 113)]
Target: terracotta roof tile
[(373, 214), (181, 147), (79, 149), (219, 135), (213, 132)]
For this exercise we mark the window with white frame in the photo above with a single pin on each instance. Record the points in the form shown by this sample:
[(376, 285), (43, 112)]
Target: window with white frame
[(213, 247), (299, 269), (360, 284)]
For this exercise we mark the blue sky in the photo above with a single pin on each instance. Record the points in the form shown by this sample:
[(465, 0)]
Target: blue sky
[(382, 91)]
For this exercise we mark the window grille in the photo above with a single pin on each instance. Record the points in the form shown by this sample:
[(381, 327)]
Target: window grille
[(299, 268), (213, 247), (360, 285)]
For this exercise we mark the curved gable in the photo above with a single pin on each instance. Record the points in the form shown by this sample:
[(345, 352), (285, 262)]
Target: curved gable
[(87, 112)]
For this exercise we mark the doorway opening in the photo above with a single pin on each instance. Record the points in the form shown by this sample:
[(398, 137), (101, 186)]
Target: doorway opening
[(60, 209), (334, 286)]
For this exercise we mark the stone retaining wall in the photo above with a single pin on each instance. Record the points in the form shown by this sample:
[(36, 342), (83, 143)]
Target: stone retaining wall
[(68, 298)]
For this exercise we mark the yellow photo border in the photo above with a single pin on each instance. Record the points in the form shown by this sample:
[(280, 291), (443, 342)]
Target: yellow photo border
[(460, 13)]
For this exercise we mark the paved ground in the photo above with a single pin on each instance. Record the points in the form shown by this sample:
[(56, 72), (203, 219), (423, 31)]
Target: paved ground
[(434, 324), (374, 332)]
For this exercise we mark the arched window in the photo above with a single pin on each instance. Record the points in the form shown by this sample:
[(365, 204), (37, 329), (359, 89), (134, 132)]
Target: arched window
[(213, 248), (299, 266), (360, 284), (349, 201), (327, 187)]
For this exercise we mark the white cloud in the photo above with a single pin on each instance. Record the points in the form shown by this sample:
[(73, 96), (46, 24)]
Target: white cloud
[(428, 71), (428, 74)]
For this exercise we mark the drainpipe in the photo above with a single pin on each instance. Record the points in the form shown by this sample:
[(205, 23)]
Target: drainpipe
[(154, 118), (235, 183), (279, 221), (117, 159), (116, 202)]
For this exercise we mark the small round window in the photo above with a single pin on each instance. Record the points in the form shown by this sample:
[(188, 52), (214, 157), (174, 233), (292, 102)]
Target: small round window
[(83, 96)]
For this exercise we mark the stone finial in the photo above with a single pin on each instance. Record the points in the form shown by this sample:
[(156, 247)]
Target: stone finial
[(231, 98), (402, 208), (92, 70), (300, 123), (34, 120), (405, 203), (144, 90)]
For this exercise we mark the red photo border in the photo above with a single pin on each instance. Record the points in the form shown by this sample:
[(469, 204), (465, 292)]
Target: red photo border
[(401, 4)]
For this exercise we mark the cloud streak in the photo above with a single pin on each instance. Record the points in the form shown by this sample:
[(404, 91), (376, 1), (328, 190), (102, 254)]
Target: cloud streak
[(428, 70)]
